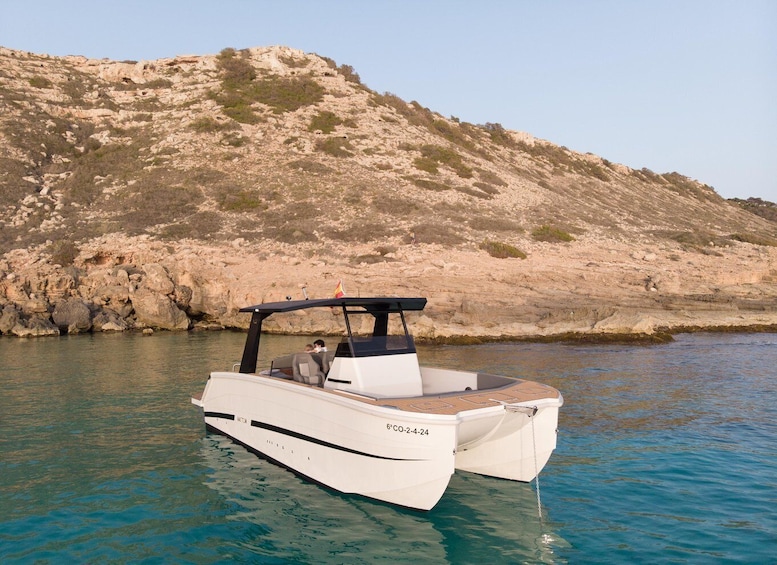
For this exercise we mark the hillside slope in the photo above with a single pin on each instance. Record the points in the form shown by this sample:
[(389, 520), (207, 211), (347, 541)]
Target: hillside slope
[(191, 186)]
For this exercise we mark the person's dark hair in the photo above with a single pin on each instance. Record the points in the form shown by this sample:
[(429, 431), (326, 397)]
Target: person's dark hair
[(319, 342)]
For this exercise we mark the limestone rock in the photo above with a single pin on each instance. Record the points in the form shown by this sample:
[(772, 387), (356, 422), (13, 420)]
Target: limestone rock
[(36, 326), (157, 279), (72, 314), (9, 317), (109, 321), (158, 311)]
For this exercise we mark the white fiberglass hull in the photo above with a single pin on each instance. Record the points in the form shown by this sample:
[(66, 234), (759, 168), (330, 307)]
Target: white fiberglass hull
[(517, 447), (395, 456), (373, 448)]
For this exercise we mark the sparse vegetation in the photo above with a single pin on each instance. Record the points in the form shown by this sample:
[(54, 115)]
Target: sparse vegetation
[(371, 259), (551, 234), (685, 186), (489, 223), (335, 146), (460, 134), (491, 178), (206, 124), (242, 88), (325, 121), (430, 185), (697, 239), (437, 233), (754, 239), (433, 155), (348, 72), (63, 252), (501, 250), (759, 207), (477, 193), (141, 164), (159, 197), (234, 140), (40, 82), (427, 165), (499, 135), (287, 94), (485, 187), (240, 200), (361, 231), (310, 166), (237, 71)]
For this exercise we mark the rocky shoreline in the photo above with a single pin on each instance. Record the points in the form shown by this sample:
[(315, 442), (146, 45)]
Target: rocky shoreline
[(167, 210), (579, 293)]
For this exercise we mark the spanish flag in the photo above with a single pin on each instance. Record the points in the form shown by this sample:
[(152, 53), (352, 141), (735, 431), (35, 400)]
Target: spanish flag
[(339, 290)]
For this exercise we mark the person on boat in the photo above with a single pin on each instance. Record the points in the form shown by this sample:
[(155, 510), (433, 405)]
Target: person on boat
[(309, 348), (319, 346)]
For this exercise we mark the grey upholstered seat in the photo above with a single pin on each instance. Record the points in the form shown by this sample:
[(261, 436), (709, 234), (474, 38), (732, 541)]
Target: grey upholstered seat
[(324, 360), (306, 369)]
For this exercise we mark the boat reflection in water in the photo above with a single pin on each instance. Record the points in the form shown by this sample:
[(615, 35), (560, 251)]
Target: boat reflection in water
[(283, 518)]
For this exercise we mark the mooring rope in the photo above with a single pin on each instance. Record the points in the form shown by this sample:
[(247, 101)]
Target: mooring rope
[(536, 470), (531, 412)]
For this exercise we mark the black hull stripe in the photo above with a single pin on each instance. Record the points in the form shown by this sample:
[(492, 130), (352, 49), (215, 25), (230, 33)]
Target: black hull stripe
[(323, 443), (258, 453), (303, 437), (219, 415)]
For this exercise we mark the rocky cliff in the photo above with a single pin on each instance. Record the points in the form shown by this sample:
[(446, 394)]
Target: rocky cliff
[(170, 193)]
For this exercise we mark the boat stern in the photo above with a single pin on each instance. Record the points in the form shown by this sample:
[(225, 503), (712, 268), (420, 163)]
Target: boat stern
[(197, 400)]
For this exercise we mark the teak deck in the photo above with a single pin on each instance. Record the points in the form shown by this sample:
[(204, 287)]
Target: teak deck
[(452, 402)]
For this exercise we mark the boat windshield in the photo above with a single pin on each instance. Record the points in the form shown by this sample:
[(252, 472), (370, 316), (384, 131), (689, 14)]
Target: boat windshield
[(382, 341), (366, 346)]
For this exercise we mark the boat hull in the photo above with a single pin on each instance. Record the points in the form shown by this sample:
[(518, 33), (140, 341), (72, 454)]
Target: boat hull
[(518, 446), (375, 451)]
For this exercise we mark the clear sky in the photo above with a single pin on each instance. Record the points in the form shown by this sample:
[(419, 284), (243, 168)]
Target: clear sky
[(671, 85)]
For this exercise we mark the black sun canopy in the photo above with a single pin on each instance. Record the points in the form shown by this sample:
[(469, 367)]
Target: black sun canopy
[(379, 307), (380, 304)]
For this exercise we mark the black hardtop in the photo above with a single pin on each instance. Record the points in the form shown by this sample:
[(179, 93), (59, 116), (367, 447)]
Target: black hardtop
[(379, 307), (382, 304)]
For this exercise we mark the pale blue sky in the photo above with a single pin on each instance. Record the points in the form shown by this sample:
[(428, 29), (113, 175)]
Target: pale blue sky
[(671, 85)]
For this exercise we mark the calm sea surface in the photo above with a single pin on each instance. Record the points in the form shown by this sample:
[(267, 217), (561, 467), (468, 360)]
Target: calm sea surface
[(667, 454)]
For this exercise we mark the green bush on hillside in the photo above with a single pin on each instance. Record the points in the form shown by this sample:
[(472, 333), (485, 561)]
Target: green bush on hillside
[(335, 146), (551, 234), (501, 250), (431, 154), (325, 121)]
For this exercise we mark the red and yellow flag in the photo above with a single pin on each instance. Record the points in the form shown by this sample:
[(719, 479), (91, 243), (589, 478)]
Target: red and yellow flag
[(339, 290)]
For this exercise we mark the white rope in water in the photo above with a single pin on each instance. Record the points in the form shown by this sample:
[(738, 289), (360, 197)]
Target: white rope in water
[(536, 470), (531, 412)]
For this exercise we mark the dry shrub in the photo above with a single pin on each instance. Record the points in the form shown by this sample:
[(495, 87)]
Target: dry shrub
[(501, 250)]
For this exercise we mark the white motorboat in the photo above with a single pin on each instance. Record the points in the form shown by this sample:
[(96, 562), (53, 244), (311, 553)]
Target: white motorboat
[(368, 419)]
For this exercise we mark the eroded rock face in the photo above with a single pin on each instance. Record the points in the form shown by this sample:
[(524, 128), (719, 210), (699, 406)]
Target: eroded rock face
[(9, 317), (73, 316), (109, 321), (35, 326), (158, 311), (589, 288)]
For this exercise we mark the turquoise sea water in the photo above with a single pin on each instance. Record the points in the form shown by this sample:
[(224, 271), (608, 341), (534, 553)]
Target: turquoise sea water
[(667, 454)]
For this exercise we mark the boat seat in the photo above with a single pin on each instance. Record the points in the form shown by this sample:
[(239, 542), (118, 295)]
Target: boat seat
[(324, 360), (306, 369)]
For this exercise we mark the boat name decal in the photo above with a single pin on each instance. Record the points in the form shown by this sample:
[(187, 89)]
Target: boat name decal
[(270, 427), (407, 429)]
